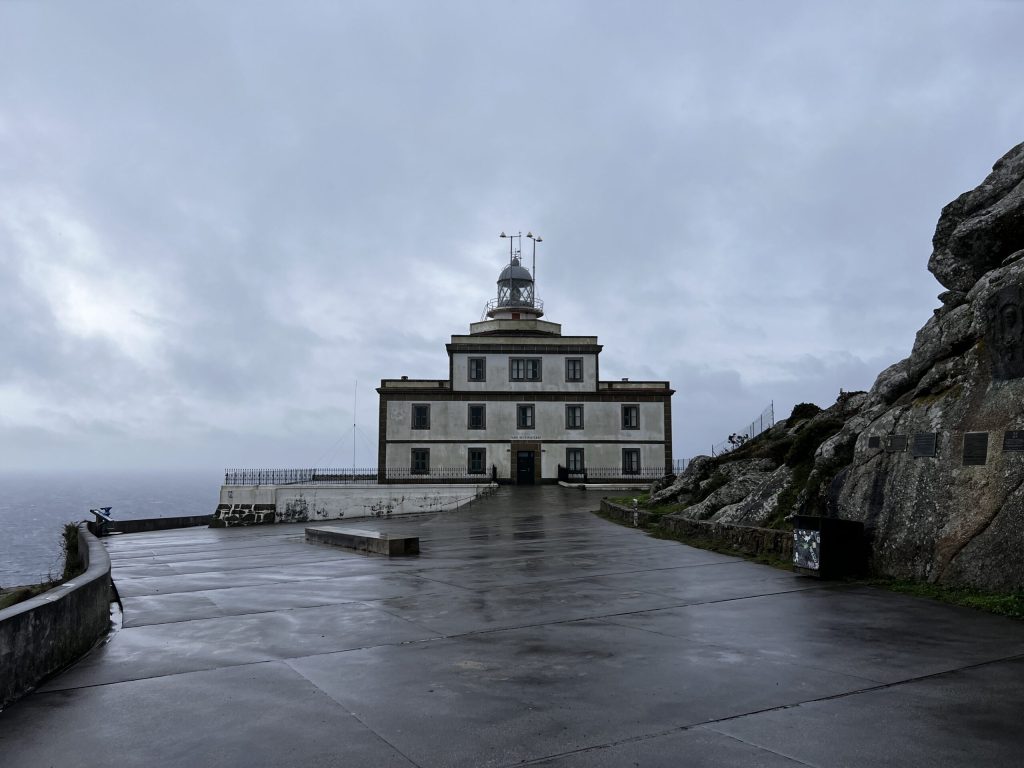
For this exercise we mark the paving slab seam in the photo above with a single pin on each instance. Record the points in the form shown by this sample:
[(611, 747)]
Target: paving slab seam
[(879, 687), (756, 746), (130, 580), (353, 715), (557, 622), (808, 588), (709, 724), (648, 737), (234, 665), (238, 615), (554, 580)]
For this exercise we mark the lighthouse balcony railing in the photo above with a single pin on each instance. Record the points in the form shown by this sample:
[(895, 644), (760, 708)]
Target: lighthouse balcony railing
[(504, 303)]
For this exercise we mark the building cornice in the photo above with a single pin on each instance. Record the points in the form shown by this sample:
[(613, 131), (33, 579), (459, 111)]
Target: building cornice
[(525, 396)]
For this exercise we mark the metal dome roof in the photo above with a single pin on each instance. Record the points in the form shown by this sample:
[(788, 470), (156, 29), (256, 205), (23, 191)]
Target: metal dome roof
[(517, 273)]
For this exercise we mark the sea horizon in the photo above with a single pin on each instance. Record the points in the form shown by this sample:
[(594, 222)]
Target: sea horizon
[(36, 503)]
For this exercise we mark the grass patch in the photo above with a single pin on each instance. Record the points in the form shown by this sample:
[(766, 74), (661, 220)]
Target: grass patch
[(713, 545), (659, 510), (1011, 605), (701, 542), (627, 501)]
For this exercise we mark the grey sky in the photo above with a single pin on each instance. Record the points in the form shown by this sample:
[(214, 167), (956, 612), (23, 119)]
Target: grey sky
[(215, 217)]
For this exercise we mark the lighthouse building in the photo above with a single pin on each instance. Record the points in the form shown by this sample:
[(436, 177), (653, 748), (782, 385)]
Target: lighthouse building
[(523, 404)]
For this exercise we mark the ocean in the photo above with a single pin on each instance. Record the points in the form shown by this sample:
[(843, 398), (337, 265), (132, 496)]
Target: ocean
[(35, 505)]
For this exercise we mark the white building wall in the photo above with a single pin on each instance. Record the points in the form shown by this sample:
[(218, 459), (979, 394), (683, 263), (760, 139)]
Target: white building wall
[(552, 374), (449, 420), (456, 455)]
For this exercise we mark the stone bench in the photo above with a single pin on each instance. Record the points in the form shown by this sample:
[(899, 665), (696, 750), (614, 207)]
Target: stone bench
[(360, 540)]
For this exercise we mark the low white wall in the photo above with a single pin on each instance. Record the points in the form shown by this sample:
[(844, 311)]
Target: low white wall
[(301, 503)]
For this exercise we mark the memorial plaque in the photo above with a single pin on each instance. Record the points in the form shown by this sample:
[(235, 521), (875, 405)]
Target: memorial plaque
[(874, 442), (975, 449), (807, 548), (1013, 440), (896, 443), (924, 444)]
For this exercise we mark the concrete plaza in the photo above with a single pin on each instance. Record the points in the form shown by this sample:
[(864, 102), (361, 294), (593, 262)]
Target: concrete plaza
[(528, 631)]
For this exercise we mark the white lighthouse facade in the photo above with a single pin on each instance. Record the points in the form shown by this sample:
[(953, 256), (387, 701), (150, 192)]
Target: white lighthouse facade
[(523, 404)]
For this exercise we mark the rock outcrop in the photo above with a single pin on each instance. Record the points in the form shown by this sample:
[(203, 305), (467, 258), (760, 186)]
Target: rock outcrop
[(932, 458)]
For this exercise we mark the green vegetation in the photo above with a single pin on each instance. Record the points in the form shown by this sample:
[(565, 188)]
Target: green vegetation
[(72, 568), (712, 545), (659, 510), (800, 458), (69, 546), (802, 412), (21, 594), (1011, 605)]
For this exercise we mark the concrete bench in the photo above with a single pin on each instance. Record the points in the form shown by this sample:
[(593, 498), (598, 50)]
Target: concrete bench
[(364, 541)]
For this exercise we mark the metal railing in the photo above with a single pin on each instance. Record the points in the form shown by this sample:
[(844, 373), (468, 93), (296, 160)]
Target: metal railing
[(762, 423), (327, 476), (513, 304), (610, 474)]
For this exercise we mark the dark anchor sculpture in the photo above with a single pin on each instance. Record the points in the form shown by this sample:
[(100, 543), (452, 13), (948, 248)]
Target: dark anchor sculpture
[(1004, 338)]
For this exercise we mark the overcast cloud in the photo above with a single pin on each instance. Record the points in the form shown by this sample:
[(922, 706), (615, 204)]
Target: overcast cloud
[(216, 217)]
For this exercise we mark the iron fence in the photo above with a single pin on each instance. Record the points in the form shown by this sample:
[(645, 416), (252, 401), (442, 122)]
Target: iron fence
[(327, 476), (763, 422), (610, 474)]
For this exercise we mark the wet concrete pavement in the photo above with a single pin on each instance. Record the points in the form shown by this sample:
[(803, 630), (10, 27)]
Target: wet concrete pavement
[(528, 630)]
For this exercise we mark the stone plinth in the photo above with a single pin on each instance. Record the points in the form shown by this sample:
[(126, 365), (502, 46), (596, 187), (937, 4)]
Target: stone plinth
[(360, 540)]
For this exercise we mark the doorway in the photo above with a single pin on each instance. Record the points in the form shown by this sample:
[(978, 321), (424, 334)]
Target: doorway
[(524, 467)]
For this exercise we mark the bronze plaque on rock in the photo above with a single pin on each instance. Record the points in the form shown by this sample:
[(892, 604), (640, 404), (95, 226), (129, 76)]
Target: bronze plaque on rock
[(924, 444), (975, 449), (1013, 440), (874, 442), (896, 444)]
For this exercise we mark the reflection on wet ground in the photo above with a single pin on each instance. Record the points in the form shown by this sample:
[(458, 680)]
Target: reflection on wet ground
[(527, 630)]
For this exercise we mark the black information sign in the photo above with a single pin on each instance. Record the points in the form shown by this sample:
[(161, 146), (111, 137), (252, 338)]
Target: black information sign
[(874, 442), (1013, 440), (975, 449), (896, 443), (924, 444)]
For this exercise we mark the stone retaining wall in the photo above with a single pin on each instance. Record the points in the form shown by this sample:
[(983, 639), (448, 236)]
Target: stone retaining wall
[(43, 635), (298, 503), (154, 524), (744, 539)]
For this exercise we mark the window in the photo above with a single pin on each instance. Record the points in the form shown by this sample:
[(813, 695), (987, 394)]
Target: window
[(574, 459), (631, 461), (574, 369), (477, 461), (631, 417), (477, 369), (574, 417), (420, 461), (478, 417), (420, 416), (524, 416), (524, 368)]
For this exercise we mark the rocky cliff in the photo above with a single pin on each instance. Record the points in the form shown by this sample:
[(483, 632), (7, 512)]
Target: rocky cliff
[(932, 458)]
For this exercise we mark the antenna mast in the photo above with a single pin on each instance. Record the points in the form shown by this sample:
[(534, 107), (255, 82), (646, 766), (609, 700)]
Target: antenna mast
[(536, 239), (355, 396)]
